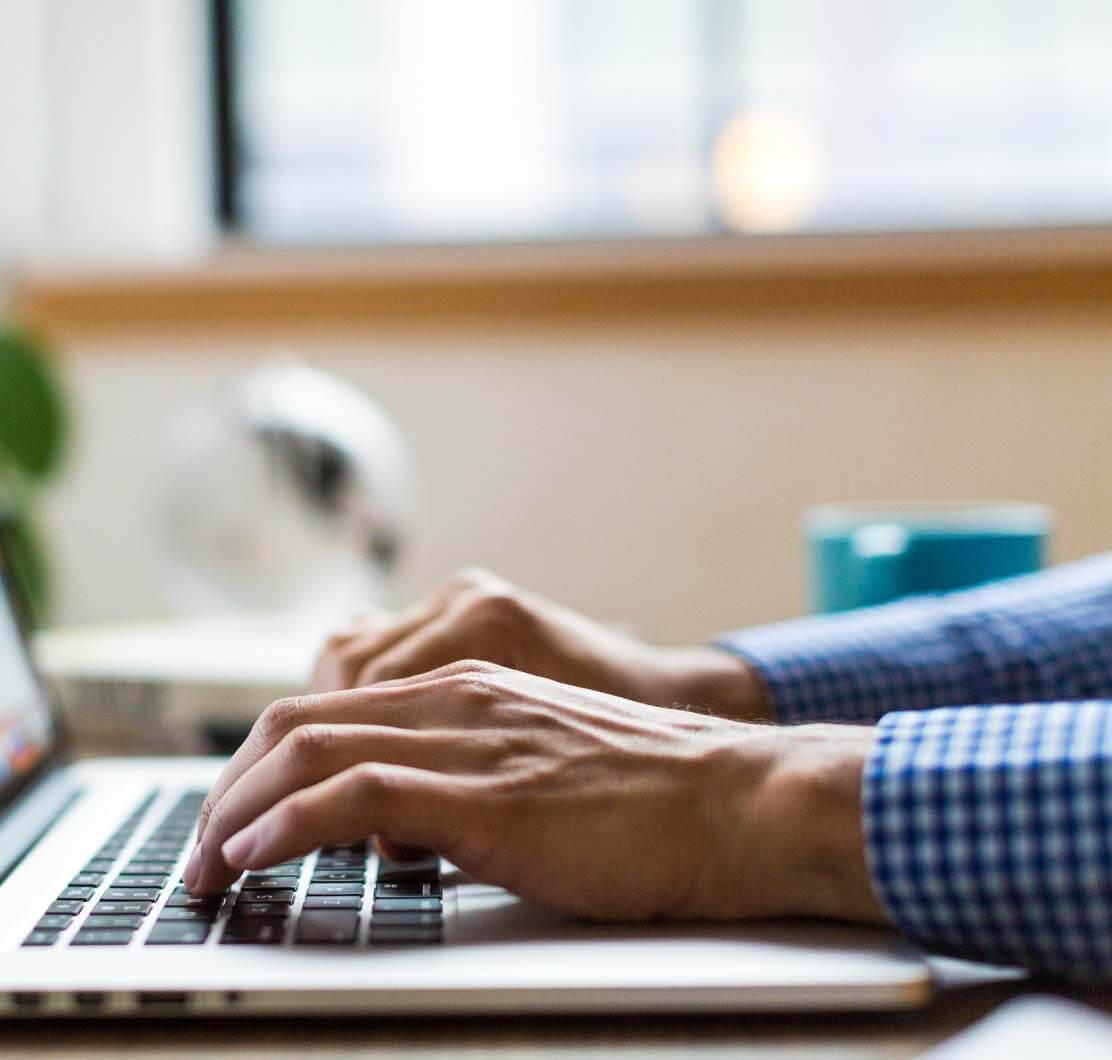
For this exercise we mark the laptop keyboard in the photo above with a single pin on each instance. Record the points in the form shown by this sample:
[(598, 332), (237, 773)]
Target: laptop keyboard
[(317, 900)]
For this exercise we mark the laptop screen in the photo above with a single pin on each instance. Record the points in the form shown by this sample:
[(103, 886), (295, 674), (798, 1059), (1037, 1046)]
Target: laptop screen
[(26, 723)]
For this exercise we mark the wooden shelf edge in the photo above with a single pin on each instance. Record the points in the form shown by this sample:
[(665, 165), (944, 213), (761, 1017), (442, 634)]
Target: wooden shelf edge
[(241, 289)]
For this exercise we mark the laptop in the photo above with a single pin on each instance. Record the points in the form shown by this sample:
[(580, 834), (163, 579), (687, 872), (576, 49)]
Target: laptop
[(94, 921)]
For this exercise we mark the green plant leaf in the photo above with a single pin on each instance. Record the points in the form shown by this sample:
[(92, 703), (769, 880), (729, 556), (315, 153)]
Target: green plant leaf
[(32, 409), (20, 545)]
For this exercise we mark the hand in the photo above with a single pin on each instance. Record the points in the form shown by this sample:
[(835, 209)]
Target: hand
[(476, 615), (576, 800)]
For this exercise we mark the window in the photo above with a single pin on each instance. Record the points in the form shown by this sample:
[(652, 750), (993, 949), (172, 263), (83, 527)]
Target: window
[(389, 121)]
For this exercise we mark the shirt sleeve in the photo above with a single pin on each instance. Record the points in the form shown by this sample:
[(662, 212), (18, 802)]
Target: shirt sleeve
[(989, 832), (1037, 638)]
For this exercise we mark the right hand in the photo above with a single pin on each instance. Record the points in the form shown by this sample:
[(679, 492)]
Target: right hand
[(477, 615)]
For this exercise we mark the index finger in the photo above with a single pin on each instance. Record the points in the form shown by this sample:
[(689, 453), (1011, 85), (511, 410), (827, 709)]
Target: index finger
[(388, 703)]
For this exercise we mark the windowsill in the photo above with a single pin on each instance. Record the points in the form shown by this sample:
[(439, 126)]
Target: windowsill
[(247, 289)]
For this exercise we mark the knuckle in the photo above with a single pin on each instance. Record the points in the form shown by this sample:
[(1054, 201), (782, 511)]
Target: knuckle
[(367, 779), (472, 577), (284, 714), (307, 742)]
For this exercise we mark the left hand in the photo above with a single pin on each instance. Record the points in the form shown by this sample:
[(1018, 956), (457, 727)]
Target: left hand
[(573, 799)]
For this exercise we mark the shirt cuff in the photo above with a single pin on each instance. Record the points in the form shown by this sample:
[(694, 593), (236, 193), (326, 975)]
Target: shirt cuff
[(986, 832), (860, 665)]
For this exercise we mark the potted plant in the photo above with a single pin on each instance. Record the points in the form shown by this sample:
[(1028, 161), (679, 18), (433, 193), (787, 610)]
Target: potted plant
[(32, 437)]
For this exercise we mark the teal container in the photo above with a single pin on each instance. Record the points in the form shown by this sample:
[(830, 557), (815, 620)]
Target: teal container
[(863, 555)]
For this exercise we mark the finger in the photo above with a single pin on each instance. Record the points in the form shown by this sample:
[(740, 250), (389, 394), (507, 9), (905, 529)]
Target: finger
[(306, 756), (448, 638), (393, 703), (343, 657), (346, 654), (414, 806)]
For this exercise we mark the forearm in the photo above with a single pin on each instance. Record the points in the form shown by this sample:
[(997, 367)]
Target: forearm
[(1038, 638)]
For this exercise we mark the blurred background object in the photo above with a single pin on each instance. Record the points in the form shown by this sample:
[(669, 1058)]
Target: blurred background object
[(637, 281), (434, 121), (290, 491), (32, 437)]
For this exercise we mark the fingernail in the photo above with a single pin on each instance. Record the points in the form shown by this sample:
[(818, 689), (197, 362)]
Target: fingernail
[(237, 851), (193, 868)]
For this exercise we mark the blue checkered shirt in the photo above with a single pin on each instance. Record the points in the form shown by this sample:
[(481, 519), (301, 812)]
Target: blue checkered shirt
[(987, 799)]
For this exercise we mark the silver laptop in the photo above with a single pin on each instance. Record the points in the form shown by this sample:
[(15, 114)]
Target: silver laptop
[(94, 920)]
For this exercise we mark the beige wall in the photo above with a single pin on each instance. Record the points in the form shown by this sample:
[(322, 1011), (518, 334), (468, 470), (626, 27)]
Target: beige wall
[(655, 478)]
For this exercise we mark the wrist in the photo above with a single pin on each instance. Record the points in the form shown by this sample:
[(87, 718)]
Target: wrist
[(814, 798), (714, 681)]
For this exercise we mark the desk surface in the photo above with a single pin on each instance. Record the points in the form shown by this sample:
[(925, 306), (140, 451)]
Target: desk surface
[(812, 1037)]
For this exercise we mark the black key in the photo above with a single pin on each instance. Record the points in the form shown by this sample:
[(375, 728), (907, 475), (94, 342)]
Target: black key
[(99, 865), (120, 908), (181, 914), (339, 876), (407, 905), (120, 921), (182, 899), (54, 922), (338, 901), (65, 906), (320, 890), (398, 871), (131, 894), (87, 879), (275, 897), (270, 883), (140, 881), (94, 936), (399, 919), (185, 933), (262, 932), (41, 938), (157, 857), (79, 894), (407, 889), (391, 935), (145, 868), (331, 927), (287, 868), (254, 910)]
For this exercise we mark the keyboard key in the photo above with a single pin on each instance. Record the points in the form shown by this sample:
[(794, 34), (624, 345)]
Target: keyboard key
[(41, 938), (331, 927), (140, 881), (407, 889), (87, 879), (339, 901), (287, 868), (184, 933), (99, 865), (182, 898), (120, 921), (407, 905), (65, 906), (146, 868), (398, 935), (397, 871), (401, 919), (79, 894), (254, 910), (262, 932), (181, 914), (94, 936), (270, 883), (53, 922), (131, 894), (275, 897), (321, 890), (339, 876), (120, 908)]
